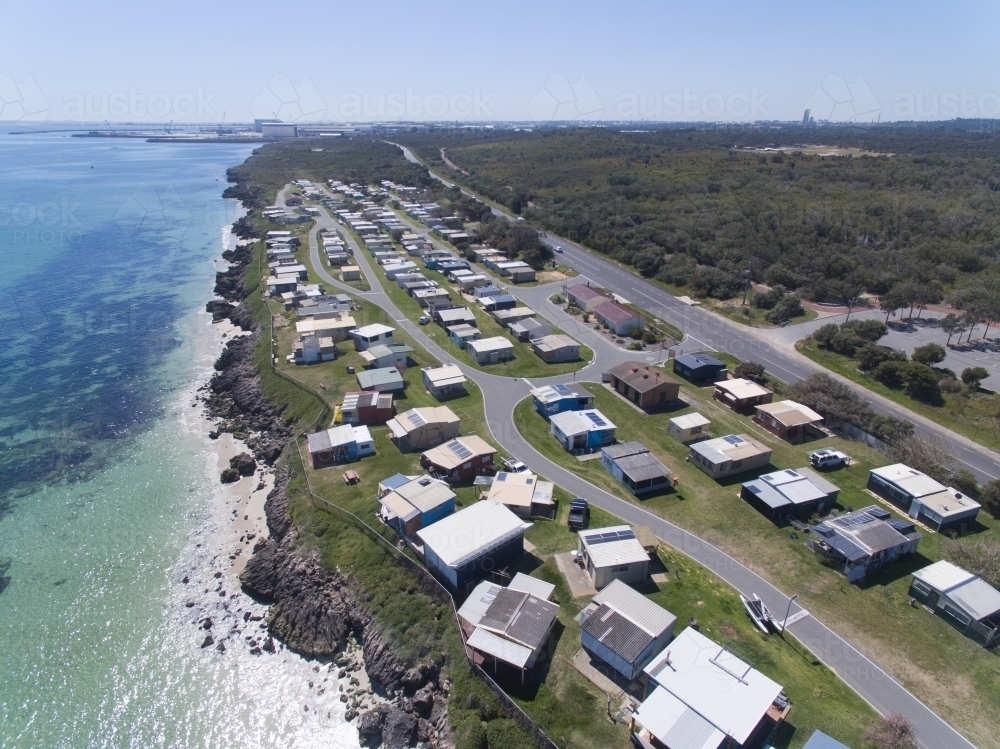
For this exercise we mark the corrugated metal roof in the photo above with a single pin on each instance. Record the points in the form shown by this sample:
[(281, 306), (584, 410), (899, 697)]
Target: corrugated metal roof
[(458, 451), (641, 377), (446, 374), (478, 601), (622, 637), (910, 480), (486, 345), (615, 552), (790, 413), (690, 421), (943, 576), (715, 683), (675, 724), (633, 605), (532, 585), (399, 507), (642, 467), (694, 361), (977, 597), (554, 393), (505, 650), (471, 532), (614, 312), (820, 740), (730, 447), (741, 388), (578, 422), (623, 449)]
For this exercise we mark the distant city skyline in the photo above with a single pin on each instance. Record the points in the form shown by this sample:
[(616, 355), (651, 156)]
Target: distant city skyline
[(720, 61)]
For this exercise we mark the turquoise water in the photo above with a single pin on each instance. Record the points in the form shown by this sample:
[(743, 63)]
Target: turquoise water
[(109, 489)]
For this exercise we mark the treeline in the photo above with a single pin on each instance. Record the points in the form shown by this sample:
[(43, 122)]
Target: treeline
[(695, 209), (363, 160)]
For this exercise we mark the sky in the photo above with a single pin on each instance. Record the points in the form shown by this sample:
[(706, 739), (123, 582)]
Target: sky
[(350, 62)]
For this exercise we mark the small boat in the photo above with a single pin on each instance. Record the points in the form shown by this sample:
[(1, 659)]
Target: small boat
[(759, 613)]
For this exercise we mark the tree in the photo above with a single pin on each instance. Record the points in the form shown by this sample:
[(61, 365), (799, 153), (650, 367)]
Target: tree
[(921, 382), (990, 495), (930, 456), (889, 428), (870, 356), (952, 324), (847, 342), (929, 354), (980, 557), (891, 732), (892, 301), (890, 373), (965, 481), (868, 330), (972, 376), (749, 370), (788, 306), (825, 334)]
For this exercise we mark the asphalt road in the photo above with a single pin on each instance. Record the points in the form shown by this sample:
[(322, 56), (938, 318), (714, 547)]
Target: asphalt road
[(709, 331), (862, 674)]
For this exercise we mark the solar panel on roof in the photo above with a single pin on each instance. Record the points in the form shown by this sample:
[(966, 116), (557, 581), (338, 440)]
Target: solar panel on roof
[(598, 421), (459, 449), (732, 439), (878, 512), (417, 420), (561, 389), (859, 519), (604, 538)]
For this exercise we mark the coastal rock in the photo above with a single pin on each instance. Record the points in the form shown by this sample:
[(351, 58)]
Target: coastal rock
[(229, 476), (276, 505), (369, 724), (399, 730), (423, 701), (209, 640), (219, 309), (243, 464)]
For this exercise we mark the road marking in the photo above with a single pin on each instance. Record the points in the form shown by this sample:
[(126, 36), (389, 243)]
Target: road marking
[(797, 616)]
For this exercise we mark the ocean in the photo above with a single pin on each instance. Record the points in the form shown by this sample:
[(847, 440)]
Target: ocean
[(109, 490)]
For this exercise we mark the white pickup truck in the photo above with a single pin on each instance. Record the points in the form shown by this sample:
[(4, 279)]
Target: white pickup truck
[(827, 458)]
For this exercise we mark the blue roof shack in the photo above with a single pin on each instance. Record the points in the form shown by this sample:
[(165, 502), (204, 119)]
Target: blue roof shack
[(582, 430), (820, 740), (494, 303), (699, 368), (554, 399)]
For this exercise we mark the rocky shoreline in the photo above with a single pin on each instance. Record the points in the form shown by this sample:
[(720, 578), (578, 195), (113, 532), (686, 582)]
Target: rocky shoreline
[(312, 610)]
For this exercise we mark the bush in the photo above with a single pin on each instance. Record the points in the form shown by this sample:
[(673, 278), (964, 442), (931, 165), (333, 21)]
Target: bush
[(749, 370), (868, 330), (889, 428), (972, 376), (890, 373), (950, 385), (825, 335), (790, 306), (635, 334), (847, 342), (990, 494), (870, 356), (921, 382), (586, 317), (648, 336), (891, 732), (929, 354), (635, 346), (965, 482)]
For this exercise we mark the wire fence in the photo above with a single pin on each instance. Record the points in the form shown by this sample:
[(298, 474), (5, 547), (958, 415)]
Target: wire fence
[(431, 583)]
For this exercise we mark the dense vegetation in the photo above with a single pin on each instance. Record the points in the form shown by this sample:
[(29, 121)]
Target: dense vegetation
[(695, 208)]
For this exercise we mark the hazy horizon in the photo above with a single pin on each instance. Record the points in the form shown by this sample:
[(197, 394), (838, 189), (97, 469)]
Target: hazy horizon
[(520, 63)]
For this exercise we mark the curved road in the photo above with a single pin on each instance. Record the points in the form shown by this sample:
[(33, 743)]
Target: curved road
[(872, 683)]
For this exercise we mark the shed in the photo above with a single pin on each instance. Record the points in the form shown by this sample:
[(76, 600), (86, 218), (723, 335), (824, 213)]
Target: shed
[(556, 348), (507, 317), (340, 444), (820, 740), (620, 319), (367, 407), (787, 419), (965, 601), (624, 628), (415, 503), (372, 335), (529, 329), (699, 368), (462, 334), (798, 493), (455, 316), (421, 428), (613, 553), (697, 689), (729, 456), (524, 494), (490, 350), (462, 548), (444, 380), (460, 459), (643, 384), (921, 497), (553, 399), (350, 272), (689, 427), (632, 464), (741, 394), (384, 379), (494, 303), (394, 355), (582, 430)]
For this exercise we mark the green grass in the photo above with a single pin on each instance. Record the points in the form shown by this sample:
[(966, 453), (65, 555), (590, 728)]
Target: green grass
[(971, 416), (752, 316), (944, 669)]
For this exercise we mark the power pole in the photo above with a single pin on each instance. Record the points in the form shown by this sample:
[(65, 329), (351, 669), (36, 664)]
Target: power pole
[(746, 286)]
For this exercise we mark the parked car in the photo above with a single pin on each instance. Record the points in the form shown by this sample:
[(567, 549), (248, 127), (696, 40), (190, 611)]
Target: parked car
[(423, 319), (513, 465), (827, 458), (579, 514)]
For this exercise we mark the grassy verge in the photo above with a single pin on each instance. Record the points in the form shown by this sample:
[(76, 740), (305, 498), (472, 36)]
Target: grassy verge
[(944, 669), (971, 416)]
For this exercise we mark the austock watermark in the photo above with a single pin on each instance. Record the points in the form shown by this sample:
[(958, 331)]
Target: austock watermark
[(41, 223), (137, 105), (414, 105), (690, 105), (22, 101)]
